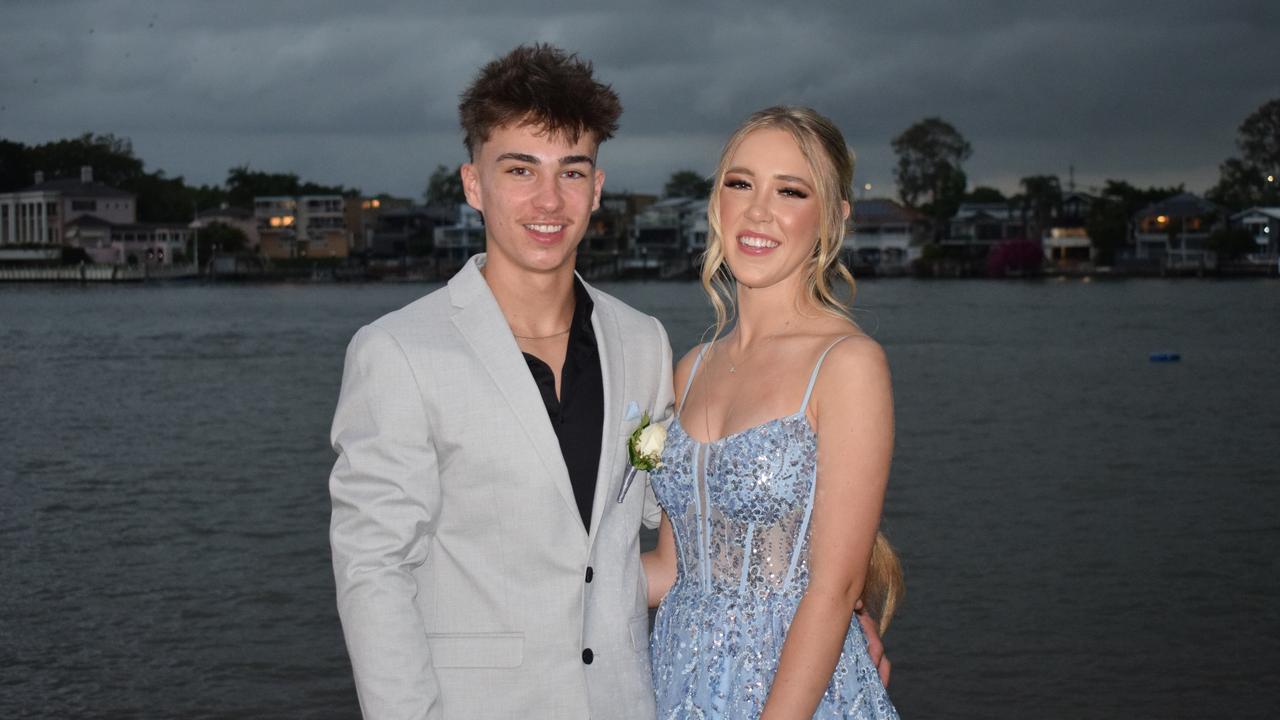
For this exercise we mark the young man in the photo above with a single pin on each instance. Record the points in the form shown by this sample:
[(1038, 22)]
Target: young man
[(484, 566)]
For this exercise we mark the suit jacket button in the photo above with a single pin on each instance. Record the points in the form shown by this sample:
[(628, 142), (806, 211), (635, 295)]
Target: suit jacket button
[(590, 573), (588, 656)]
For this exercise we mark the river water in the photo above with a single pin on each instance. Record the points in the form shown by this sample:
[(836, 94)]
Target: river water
[(1085, 533)]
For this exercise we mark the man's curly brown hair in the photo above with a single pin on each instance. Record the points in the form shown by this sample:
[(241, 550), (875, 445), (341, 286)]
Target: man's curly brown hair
[(538, 85)]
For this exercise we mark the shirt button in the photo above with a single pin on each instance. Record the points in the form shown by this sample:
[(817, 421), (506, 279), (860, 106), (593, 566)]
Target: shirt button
[(590, 573), (588, 656)]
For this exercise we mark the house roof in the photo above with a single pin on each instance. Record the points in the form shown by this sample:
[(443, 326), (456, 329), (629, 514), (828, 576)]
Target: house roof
[(74, 188), (226, 212), (880, 211), (995, 211), (90, 221), (1268, 211), (95, 221), (1180, 205)]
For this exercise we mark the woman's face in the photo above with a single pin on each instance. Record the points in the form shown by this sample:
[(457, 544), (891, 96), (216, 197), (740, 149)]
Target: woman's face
[(769, 210)]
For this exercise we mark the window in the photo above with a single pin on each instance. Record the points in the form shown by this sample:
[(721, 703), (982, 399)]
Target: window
[(84, 205)]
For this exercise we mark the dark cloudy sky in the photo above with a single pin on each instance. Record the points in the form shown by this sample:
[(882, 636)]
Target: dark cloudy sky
[(364, 94)]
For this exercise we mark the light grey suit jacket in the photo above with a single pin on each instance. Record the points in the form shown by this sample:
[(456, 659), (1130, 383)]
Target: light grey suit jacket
[(458, 551)]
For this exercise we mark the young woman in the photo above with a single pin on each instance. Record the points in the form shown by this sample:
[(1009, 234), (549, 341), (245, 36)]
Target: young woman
[(774, 471)]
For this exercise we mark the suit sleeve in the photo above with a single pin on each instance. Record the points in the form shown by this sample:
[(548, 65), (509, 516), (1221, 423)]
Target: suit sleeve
[(662, 409), (385, 492)]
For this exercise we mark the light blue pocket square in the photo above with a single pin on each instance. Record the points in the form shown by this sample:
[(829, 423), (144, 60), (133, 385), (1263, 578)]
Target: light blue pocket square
[(633, 411)]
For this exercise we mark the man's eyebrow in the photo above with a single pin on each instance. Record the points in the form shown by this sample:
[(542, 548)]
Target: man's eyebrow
[(519, 157), (575, 159)]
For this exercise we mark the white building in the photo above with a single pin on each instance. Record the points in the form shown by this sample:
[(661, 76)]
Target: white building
[(885, 234), (130, 243), (39, 214), (673, 226), (1263, 223)]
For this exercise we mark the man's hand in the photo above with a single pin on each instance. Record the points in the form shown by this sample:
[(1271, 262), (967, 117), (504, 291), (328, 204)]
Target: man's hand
[(875, 648)]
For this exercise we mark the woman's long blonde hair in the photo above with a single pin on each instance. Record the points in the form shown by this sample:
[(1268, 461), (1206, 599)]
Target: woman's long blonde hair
[(831, 164)]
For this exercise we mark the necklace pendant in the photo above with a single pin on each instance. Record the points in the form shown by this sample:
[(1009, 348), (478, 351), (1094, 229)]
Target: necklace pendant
[(732, 368)]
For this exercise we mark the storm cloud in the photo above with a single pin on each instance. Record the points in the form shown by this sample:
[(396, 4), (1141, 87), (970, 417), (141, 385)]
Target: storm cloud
[(365, 94)]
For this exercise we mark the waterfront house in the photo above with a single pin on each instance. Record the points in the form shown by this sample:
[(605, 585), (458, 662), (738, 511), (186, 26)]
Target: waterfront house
[(407, 231), (1066, 241), (38, 215), (982, 225), (302, 226), (464, 237), (1172, 232), (611, 230), (365, 215), (1263, 225), (132, 243), (885, 235), (82, 213), (670, 227)]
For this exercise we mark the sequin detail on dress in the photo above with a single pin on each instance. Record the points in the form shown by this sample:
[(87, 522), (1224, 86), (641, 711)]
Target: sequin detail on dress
[(740, 509)]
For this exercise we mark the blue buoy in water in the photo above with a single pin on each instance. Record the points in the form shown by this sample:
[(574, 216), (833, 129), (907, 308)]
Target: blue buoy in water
[(1165, 357)]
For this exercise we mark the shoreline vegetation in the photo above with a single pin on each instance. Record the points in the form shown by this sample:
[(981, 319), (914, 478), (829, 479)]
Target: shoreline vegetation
[(593, 269)]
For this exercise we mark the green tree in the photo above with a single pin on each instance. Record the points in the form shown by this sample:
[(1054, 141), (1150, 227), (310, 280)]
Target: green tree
[(444, 187), (984, 194), (111, 158), (1231, 243), (929, 174), (1041, 200), (1254, 177), (244, 184), (16, 171), (687, 184), (1111, 211), (221, 238)]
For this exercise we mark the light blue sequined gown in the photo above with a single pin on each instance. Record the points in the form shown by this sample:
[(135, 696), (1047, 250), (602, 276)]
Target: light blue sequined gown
[(740, 508)]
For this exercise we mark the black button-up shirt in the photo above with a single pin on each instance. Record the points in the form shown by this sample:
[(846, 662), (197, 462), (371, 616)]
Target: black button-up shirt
[(578, 414)]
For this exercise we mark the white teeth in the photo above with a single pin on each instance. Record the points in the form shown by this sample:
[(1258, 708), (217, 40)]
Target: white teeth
[(756, 241), (545, 228)]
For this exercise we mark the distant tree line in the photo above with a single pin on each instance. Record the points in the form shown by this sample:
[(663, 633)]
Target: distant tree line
[(160, 198)]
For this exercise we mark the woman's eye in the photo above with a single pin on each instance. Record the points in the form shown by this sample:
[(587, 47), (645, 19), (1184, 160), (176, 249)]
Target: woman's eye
[(793, 192), (737, 184)]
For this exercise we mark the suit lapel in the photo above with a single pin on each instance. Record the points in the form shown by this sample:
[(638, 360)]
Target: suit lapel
[(480, 322), (613, 375)]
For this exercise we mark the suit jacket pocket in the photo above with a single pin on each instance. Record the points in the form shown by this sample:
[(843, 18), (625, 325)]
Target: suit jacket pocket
[(476, 650), (640, 632)]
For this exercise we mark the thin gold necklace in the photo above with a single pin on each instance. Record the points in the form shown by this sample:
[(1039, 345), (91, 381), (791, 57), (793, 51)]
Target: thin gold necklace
[(543, 337)]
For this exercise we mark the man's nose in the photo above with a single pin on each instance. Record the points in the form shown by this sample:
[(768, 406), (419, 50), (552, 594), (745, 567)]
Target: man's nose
[(549, 196)]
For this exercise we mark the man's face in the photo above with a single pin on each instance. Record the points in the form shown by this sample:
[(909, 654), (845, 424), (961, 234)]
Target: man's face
[(537, 192)]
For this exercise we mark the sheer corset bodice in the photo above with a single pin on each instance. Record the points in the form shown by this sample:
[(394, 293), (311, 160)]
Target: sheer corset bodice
[(746, 533)]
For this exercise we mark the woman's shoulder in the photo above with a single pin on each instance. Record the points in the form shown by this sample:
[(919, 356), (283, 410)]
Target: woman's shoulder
[(853, 357)]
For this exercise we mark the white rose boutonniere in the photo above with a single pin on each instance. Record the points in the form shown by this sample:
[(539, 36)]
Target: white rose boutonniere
[(644, 451)]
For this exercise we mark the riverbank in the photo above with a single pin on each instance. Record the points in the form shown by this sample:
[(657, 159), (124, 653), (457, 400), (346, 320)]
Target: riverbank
[(593, 269)]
